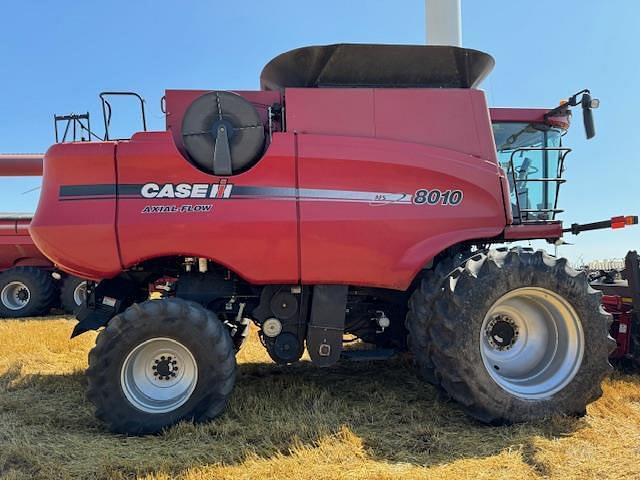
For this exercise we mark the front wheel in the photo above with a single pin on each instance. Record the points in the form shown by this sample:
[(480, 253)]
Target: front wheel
[(518, 336), (160, 362)]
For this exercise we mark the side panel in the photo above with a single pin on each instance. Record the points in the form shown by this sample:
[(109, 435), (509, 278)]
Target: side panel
[(16, 246), (362, 220), (251, 228), (74, 225), (359, 222), (455, 119)]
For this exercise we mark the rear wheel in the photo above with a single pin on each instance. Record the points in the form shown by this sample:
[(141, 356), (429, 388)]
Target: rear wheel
[(73, 293), (519, 336), (26, 292), (160, 362)]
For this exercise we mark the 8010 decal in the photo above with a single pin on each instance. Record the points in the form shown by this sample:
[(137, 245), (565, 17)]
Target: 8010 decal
[(438, 197)]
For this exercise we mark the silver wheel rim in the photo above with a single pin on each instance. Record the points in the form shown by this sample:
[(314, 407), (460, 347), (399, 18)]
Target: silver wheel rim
[(159, 375), (15, 295), (532, 342), (80, 293)]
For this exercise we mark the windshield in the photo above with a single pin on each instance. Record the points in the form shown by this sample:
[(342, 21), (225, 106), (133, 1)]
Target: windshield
[(534, 176)]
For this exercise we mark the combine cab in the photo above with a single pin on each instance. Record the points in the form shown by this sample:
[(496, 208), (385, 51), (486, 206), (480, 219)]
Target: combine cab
[(358, 192)]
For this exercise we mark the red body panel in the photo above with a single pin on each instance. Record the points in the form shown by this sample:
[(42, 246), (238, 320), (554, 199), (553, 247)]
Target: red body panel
[(530, 115), (336, 199), (385, 243), (525, 115), (78, 232), (530, 232), (17, 247), (255, 238), (455, 119), (391, 141)]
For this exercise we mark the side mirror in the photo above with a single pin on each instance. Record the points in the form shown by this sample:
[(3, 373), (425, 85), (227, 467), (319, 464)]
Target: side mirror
[(588, 104)]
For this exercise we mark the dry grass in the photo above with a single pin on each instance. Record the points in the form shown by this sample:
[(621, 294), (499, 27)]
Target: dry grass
[(353, 421)]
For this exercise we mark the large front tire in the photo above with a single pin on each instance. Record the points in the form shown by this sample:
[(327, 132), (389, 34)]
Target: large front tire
[(160, 362), (420, 315), (519, 336)]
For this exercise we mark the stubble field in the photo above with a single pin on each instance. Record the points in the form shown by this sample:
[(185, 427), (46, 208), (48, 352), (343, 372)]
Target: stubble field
[(352, 421)]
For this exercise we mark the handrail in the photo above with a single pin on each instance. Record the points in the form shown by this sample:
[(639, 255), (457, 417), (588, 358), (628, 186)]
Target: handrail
[(107, 106), (564, 151)]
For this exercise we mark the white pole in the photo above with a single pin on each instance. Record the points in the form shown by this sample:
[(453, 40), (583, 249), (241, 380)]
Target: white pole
[(443, 22)]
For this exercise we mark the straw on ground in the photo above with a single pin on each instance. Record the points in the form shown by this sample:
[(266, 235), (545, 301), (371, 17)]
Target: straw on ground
[(355, 421)]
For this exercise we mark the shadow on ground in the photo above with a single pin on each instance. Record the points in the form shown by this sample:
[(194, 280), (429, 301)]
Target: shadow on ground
[(47, 429)]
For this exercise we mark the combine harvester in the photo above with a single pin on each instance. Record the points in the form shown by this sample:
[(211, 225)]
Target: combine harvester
[(359, 189), (29, 283)]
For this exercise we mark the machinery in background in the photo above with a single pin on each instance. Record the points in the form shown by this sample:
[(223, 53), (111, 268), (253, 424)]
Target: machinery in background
[(621, 298), (30, 285)]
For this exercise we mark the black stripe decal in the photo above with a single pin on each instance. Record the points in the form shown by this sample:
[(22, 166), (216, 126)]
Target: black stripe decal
[(74, 199), (239, 192), (87, 190)]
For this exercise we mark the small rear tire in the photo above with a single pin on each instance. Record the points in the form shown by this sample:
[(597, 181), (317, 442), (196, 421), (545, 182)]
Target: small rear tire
[(26, 292), (73, 293), (160, 362)]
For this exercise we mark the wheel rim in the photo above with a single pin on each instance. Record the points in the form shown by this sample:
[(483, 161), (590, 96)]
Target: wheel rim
[(159, 375), (80, 293), (532, 342), (15, 295)]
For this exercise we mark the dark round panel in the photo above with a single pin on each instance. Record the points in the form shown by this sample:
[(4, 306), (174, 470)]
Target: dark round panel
[(246, 139)]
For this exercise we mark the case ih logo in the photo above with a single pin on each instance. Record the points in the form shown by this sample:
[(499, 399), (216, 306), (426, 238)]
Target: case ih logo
[(187, 190)]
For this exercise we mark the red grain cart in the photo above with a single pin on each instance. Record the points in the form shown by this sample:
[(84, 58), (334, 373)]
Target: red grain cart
[(29, 283)]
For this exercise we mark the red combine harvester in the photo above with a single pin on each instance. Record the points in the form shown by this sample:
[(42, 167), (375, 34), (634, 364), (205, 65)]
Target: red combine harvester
[(29, 283), (358, 190)]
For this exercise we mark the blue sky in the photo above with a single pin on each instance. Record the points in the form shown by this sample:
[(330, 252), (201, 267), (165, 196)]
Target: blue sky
[(57, 56)]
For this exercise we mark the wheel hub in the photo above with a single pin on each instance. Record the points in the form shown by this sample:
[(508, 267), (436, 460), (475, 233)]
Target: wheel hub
[(502, 332), (15, 295), (164, 367)]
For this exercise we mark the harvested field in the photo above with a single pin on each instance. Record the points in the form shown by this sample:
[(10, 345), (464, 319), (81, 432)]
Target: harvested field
[(355, 421)]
